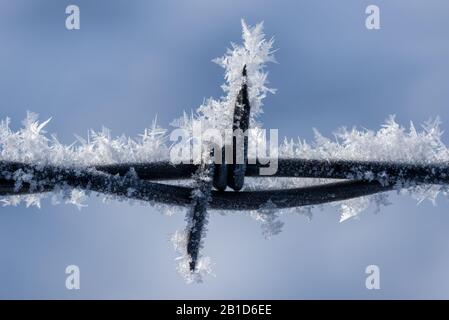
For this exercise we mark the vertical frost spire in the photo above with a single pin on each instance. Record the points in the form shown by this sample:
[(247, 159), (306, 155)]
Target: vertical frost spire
[(254, 53), (243, 89)]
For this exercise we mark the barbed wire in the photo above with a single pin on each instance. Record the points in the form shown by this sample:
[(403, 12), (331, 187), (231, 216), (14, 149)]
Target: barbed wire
[(145, 181)]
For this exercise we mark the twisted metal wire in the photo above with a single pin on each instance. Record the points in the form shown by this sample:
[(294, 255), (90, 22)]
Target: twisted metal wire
[(110, 179)]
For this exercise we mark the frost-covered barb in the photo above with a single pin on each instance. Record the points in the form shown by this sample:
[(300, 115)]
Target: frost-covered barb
[(192, 265), (197, 217), (245, 86), (255, 52), (352, 171)]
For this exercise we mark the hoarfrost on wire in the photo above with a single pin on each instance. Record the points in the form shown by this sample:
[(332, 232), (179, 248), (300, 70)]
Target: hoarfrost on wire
[(392, 142), (268, 216)]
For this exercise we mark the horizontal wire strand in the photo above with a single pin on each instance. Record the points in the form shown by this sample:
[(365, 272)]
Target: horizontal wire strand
[(116, 182)]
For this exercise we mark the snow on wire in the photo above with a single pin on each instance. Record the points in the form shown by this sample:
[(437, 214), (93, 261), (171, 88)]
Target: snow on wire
[(352, 171)]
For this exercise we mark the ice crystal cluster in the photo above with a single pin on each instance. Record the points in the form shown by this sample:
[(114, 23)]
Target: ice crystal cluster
[(203, 266), (254, 53), (392, 142)]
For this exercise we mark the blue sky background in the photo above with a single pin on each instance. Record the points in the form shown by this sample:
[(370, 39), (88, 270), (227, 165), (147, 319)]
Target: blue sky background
[(134, 60)]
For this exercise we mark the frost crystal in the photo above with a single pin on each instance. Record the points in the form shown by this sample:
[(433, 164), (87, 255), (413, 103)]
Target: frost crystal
[(203, 265), (77, 197), (270, 223)]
